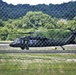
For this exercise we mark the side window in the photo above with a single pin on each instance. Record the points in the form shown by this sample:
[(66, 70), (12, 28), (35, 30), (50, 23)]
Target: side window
[(25, 41), (22, 41), (33, 41), (18, 41), (30, 41)]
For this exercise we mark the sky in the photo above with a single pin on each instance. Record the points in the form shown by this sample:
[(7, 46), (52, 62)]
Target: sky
[(34, 2)]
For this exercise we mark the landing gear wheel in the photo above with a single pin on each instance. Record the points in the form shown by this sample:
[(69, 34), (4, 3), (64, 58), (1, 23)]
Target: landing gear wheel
[(55, 48), (22, 48), (27, 48)]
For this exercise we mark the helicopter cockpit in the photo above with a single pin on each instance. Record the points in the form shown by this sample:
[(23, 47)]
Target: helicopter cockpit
[(18, 42), (15, 43)]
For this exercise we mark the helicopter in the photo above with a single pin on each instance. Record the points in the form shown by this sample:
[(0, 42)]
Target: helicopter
[(35, 41)]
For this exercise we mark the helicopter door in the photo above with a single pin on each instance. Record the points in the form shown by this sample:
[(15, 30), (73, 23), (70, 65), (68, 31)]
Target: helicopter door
[(22, 41), (24, 44)]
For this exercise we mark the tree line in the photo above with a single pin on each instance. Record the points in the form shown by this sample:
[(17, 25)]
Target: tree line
[(38, 22), (64, 10)]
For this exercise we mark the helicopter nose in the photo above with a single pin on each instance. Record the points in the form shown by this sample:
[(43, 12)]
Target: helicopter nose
[(11, 44)]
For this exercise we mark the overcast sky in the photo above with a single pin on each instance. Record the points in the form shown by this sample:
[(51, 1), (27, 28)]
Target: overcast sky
[(34, 2)]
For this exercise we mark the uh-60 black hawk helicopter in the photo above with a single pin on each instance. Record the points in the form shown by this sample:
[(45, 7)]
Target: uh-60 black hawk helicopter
[(32, 41)]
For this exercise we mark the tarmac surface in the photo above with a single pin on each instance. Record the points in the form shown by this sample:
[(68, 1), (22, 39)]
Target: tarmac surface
[(37, 51), (5, 48)]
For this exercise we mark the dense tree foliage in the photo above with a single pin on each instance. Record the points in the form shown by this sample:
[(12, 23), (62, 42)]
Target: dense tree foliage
[(65, 10), (39, 23)]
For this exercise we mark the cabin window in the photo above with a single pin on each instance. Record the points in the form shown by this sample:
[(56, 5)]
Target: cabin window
[(32, 41), (25, 41)]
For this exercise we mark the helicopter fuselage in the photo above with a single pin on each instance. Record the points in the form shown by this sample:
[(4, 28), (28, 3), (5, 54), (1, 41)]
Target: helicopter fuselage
[(30, 41), (26, 42)]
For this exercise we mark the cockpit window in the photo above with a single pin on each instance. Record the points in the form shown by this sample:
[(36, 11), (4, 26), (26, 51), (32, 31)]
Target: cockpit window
[(16, 41), (20, 41)]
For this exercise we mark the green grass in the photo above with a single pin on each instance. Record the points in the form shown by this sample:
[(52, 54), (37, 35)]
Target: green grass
[(37, 64)]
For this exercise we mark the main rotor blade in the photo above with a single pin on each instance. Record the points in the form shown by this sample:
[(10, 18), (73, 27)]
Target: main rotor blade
[(19, 33), (26, 33)]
